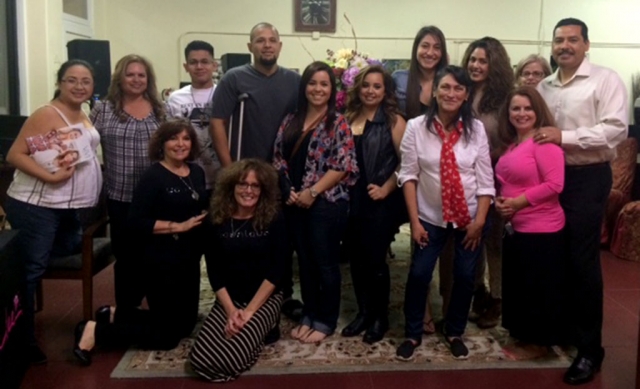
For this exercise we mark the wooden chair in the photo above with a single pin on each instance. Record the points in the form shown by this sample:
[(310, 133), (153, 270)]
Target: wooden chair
[(95, 256)]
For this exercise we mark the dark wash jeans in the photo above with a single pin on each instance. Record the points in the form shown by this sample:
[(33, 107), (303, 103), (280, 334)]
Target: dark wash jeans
[(421, 272), (316, 234), (44, 233)]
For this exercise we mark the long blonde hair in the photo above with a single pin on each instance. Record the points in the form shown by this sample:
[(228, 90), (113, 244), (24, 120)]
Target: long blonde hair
[(115, 94)]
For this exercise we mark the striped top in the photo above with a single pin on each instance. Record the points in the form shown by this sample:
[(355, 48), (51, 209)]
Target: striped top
[(81, 190), (125, 146)]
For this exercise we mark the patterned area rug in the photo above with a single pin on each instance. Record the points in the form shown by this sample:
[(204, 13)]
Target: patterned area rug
[(338, 354)]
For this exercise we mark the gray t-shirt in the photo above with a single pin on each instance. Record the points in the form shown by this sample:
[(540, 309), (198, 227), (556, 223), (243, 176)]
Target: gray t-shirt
[(269, 99)]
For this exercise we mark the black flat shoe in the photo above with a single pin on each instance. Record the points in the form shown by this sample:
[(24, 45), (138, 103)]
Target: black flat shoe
[(376, 331), (581, 371), (84, 356), (355, 328), (103, 314)]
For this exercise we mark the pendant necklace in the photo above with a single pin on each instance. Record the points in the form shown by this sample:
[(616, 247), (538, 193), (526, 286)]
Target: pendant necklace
[(234, 232), (194, 194), (204, 117)]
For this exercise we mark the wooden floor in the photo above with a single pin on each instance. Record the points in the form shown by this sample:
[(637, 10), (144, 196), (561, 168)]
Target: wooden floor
[(62, 310)]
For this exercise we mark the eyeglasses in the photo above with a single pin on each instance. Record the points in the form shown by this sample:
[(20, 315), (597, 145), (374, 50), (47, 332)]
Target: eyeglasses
[(532, 74), (204, 62), (74, 81), (246, 185)]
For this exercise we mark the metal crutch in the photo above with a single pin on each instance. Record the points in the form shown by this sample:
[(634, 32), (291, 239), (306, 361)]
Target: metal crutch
[(241, 98)]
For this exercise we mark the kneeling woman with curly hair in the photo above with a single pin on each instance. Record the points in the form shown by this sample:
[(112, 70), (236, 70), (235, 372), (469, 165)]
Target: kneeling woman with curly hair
[(245, 257)]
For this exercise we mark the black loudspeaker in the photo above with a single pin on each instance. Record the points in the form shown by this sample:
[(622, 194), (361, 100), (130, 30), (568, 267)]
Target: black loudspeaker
[(232, 60), (97, 54)]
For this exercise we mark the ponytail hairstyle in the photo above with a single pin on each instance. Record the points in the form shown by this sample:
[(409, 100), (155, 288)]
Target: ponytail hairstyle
[(63, 70)]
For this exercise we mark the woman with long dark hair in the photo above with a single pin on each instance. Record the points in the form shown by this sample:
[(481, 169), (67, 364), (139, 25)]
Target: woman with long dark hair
[(414, 93), (315, 155), (42, 200), (414, 86), (448, 186), (376, 206), (489, 68)]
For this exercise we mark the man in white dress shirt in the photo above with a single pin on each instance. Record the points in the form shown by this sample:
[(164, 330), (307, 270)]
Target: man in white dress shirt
[(589, 103)]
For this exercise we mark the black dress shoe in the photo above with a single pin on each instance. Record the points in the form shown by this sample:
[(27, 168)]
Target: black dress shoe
[(103, 314), (84, 356), (355, 328), (376, 331), (582, 370)]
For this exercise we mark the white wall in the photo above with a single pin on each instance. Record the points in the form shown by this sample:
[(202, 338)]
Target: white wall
[(44, 50), (159, 30)]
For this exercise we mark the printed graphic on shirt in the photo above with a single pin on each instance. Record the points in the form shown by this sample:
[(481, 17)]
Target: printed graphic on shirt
[(195, 105)]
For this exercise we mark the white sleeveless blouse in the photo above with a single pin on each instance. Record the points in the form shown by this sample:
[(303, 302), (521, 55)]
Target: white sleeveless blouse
[(81, 190)]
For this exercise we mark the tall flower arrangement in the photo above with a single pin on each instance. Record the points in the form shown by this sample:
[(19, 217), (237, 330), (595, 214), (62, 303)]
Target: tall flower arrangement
[(346, 64)]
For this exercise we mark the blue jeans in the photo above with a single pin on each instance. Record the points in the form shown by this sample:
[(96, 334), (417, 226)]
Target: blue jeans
[(421, 272), (44, 233), (316, 233)]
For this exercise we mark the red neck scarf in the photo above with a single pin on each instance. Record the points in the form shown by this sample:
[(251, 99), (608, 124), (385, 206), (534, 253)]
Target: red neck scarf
[(454, 205)]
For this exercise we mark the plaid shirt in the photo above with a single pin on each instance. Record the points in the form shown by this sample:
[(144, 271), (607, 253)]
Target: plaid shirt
[(125, 147)]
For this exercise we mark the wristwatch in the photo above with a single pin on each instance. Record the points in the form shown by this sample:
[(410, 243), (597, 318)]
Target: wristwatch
[(313, 192)]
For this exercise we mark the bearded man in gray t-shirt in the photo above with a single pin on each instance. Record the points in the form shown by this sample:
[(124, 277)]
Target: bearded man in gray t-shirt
[(271, 93)]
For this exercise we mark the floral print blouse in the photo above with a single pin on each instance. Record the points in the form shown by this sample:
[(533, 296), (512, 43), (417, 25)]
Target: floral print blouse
[(329, 149)]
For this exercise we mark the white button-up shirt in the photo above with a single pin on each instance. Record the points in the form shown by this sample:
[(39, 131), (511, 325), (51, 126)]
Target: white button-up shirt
[(420, 150), (590, 110)]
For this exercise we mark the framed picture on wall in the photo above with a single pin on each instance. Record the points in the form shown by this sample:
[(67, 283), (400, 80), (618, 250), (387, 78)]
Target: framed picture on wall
[(314, 15)]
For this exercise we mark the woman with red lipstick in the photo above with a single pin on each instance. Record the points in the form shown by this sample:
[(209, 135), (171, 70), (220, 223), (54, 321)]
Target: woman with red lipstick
[(531, 177), (246, 255), (376, 206), (126, 120), (168, 206), (489, 68), (314, 153)]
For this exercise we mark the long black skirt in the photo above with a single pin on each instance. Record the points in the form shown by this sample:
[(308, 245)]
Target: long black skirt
[(535, 287)]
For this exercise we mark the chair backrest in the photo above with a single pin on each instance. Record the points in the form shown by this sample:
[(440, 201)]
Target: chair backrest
[(88, 216), (623, 165)]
